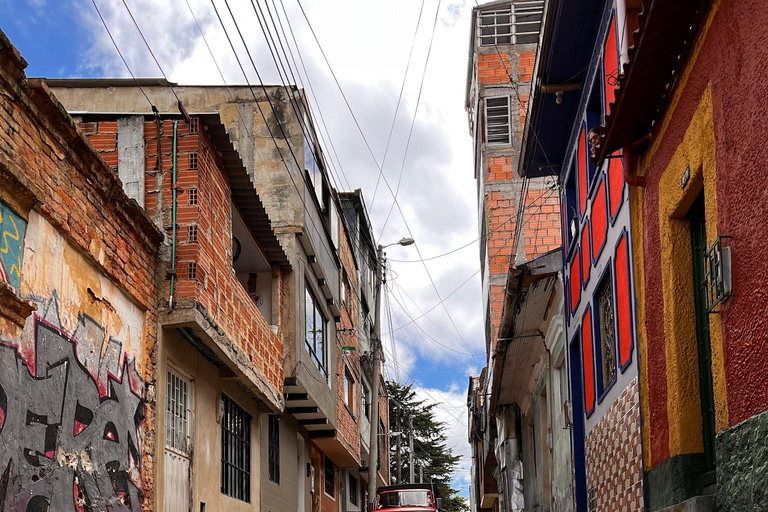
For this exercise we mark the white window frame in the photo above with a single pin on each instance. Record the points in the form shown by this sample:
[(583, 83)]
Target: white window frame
[(487, 120), (517, 28), (171, 417)]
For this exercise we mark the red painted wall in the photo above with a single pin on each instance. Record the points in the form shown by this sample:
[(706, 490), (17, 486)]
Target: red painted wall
[(732, 58)]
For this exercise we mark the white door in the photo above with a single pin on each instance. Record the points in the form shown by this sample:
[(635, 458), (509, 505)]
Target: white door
[(178, 443)]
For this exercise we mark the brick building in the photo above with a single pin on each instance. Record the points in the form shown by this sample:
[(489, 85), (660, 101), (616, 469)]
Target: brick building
[(298, 281), (78, 314), (515, 405)]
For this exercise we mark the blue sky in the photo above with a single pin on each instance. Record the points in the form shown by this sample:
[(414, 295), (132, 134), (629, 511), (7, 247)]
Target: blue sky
[(64, 38)]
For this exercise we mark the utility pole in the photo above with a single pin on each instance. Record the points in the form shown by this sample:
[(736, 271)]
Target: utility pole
[(373, 460), (399, 435), (410, 442)]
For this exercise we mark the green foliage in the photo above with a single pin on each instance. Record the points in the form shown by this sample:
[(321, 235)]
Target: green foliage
[(430, 449)]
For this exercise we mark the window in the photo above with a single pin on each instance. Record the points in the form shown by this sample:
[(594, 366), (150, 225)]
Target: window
[(192, 232), (194, 125), (313, 169), (330, 477), (192, 196), (516, 23), (333, 220), (343, 288), (349, 389), (366, 401), (497, 128), (193, 160), (314, 331), (605, 317), (177, 408), (235, 451), (192, 271), (274, 448), (353, 490)]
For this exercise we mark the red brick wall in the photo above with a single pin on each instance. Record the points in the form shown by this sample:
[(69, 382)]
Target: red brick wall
[(46, 165), (348, 418), (493, 68), (214, 286), (614, 455)]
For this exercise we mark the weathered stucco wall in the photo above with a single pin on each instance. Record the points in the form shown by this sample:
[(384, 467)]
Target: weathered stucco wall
[(77, 315)]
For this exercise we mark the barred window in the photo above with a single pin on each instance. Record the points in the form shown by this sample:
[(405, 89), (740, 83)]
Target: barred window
[(605, 317), (274, 448), (193, 160), (515, 23), (497, 127), (192, 271), (235, 451), (194, 125), (353, 491), (177, 407), (314, 331), (330, 477), (192, 196), (192, 232)]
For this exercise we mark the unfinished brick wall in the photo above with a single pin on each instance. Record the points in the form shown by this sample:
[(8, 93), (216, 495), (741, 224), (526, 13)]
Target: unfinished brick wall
[(348, 415), (78, 313)]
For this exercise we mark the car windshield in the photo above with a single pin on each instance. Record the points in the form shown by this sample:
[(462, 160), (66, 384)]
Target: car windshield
[(405, 499)]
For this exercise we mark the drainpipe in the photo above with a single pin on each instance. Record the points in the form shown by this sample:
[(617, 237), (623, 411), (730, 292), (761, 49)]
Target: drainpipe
[(629, 165), (173, 217)]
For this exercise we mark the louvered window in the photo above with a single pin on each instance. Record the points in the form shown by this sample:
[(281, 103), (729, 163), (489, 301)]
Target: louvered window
[(497, 128)]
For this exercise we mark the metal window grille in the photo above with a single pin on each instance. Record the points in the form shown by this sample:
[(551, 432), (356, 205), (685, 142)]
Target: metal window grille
[(314, 331), (177, 409), (192, 232), (497, 126), (192, 271), (605, 312), (717, 281), (235, 451), (192, 196), (193, 160), (515, 23), (194, 125), (274, 448), (330, 477), (353, 490)]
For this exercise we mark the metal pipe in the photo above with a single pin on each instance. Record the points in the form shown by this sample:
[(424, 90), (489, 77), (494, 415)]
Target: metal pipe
[(173, 216), (629, 165)]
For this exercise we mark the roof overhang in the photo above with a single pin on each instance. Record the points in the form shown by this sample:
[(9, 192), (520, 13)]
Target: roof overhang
[(564, 57), (665, 34), (529, 299)]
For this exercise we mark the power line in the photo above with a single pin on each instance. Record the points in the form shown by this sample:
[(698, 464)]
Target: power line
[(103, 22), (399, 99), (405, 221), (413, 121)]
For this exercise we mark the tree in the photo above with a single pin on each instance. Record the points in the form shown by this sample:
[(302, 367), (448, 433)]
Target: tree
[(430, 449)]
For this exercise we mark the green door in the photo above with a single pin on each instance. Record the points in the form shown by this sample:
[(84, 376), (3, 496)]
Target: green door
[(699, 246)]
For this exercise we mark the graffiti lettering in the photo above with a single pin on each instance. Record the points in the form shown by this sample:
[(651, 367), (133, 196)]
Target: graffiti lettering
[(69, 425), (12, 228)]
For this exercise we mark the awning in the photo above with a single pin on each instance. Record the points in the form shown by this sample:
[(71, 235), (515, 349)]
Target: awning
[(664, 37)]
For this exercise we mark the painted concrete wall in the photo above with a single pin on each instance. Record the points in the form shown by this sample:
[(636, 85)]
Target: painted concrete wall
[(207, 387), (714, 126)]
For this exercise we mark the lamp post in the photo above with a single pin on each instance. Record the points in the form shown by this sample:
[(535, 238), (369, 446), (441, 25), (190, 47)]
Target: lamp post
[(373, 460)]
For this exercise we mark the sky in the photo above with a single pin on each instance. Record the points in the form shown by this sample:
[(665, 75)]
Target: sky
[(367, 43)]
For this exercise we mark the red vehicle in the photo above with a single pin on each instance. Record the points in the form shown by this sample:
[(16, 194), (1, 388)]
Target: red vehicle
[(408, 498)]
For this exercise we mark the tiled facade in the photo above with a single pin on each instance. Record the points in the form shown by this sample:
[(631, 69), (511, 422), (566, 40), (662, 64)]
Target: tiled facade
[(614, 455)]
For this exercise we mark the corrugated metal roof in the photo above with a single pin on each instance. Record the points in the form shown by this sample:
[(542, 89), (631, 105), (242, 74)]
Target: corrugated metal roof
[(665, 34)]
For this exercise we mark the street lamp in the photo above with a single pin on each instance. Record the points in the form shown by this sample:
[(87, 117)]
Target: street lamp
[(373, 460)]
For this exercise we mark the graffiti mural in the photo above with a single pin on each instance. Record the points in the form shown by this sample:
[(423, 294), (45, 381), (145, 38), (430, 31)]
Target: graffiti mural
[(69, 420), (11, 245)]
